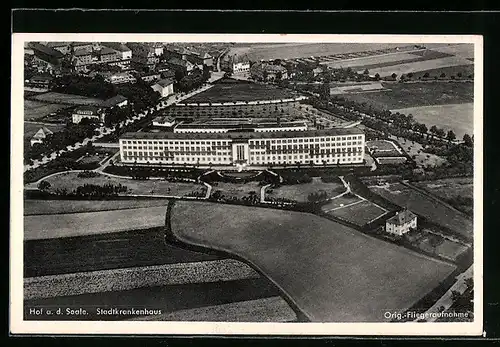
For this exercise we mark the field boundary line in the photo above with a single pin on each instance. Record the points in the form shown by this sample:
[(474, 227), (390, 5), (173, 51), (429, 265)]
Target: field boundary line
[(348, 205)]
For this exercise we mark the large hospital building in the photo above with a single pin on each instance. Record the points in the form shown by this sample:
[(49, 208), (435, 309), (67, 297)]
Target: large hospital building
[(244, 148)]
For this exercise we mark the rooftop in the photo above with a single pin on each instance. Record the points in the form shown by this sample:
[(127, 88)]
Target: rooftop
[(46, 50), (113, 101), (242, 135), (84, 108), (42, 133), (107, 50), (117, 46), (165, 82), (401, 218)]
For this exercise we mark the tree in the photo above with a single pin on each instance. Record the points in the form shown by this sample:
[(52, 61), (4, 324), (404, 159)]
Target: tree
[(377, 77), (366, 72), (433, 129), (44, 185), (394, 75), (443, 75), (451, 136), (468, 140), (426, 75)]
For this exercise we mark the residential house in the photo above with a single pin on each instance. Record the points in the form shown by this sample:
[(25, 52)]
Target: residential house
[(88, 112), (201, 59), (121, 77), (165, 87), (158, 48), (115, 101), (125, 52), (401, 223), (317, 71), (238, 66), (268, 72), (40, 135)]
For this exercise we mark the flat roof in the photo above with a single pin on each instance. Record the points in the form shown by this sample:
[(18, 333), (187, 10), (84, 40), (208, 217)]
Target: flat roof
[(242, 135)]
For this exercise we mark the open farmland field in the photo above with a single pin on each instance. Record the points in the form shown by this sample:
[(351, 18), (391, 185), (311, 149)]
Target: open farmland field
[(449, 187), (464, 70), (425, 206), (324, 267), (456, 117), (238, 190), (90, 223), (30, 129), (463, 50), (300, 192), (37, 207), (405, 68), (404, 95), (306, 50), (359, 214), (231, 92), (182, 301), (70, 181), (357, 88), (125, 249), (36, 109), (66, 99), (371, 60)]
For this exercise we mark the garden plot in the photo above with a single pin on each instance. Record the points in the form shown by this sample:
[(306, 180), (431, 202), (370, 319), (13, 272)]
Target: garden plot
[(66, 99), (300, 192), (419, 66), (360, 213), (34, 110)]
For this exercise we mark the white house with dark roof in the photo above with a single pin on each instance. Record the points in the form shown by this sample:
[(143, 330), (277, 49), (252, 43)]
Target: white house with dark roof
[(165, 87), (40, 135), (88, 112), (401, 223)]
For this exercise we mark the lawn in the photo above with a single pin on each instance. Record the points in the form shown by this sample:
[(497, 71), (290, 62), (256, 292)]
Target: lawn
[(403, 95), (422, 65), (456, 117), (66, 99), (70, 181), (231, 92), (327, 269), (340, 202), (300, 192), (37, 207), (429, 208), (238, 190), (125, 249), (35, 109), (359, 214), (450, 249), (382, 145), (92, 223), (97, 157)]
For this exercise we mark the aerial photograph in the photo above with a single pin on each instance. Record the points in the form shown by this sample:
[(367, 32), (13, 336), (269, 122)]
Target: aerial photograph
[(248, 182)]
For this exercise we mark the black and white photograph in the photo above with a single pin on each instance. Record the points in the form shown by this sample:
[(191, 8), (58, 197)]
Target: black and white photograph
[(200, 184)]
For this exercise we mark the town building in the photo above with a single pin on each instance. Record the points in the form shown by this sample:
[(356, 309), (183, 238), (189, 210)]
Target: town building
[(40, 81), (164, 121), (240, 67), (46, 54), (401, 223), (244, 150), (108, 56), (143, 56), (115, 101), (63, 47), (40, 135), (268, 72), (86, 46), (121, 77), (124, 51), (165, 87), (150, 77), (88, 112), (82, 59), (177, 64), (225, 125)]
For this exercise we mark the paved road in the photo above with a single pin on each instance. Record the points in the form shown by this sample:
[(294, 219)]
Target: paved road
[(446, 300)]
